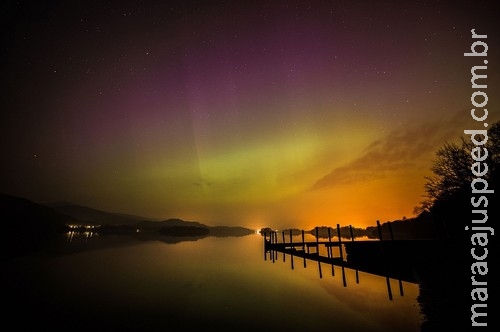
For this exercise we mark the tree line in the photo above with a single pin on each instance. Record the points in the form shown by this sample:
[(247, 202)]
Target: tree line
[(446, 207)]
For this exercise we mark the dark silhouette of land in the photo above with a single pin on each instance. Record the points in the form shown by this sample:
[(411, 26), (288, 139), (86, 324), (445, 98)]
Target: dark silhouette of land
[(91, 216), (31, 227), (184, 231), (28, 226)]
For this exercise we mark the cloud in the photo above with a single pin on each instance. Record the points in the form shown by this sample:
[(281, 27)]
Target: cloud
[(401, 150)]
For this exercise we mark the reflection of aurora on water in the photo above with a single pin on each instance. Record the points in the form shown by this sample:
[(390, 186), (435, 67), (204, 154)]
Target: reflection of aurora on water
[(431, 265), (221, 283)]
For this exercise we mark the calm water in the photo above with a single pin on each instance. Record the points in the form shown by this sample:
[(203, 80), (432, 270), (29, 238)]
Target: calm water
[(212, 284)]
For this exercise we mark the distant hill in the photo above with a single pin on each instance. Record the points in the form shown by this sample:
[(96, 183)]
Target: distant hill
[(178, 228), (173, 222), (122, 223), (96, 217), (27, 225), (222, 231), (24, 215), (184, 231)]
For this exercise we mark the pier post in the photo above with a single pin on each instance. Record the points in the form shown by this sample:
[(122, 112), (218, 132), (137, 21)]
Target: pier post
[(283, 236), (330, 254), (379, 230), (274, 253), (304, 247), (329, 251), (352, 240), (308, 249), (265, 245), (401, 291), (341, 255), (388, 281), (291, 248), (317, 251), (389, 291), (317, 239), (340, 242), (276, 241)]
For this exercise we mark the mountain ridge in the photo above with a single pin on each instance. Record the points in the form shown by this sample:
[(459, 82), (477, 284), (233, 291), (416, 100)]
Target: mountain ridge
[(61, 214), (95, 216)]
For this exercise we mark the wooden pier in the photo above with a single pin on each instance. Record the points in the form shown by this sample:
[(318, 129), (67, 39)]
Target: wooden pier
[(306, 249), (392, 259), (298, 249)]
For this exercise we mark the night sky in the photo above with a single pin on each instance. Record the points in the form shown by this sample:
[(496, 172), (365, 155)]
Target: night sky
[(272, 113)]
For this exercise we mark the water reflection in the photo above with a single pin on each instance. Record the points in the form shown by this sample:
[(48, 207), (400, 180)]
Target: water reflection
[(122, 283), (331, 263), (436, 267), (79, 235)]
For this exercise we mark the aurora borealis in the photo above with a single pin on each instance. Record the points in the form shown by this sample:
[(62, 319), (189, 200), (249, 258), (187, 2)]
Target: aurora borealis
[(289, 114)]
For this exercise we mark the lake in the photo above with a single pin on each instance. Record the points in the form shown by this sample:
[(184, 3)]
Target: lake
[(120, 283)]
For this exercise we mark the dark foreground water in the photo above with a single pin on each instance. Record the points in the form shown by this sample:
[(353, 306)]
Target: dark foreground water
[(118, 283)]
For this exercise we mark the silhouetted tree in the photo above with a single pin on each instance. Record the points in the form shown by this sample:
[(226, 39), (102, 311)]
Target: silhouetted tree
[(448, 189), (451, 171)]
